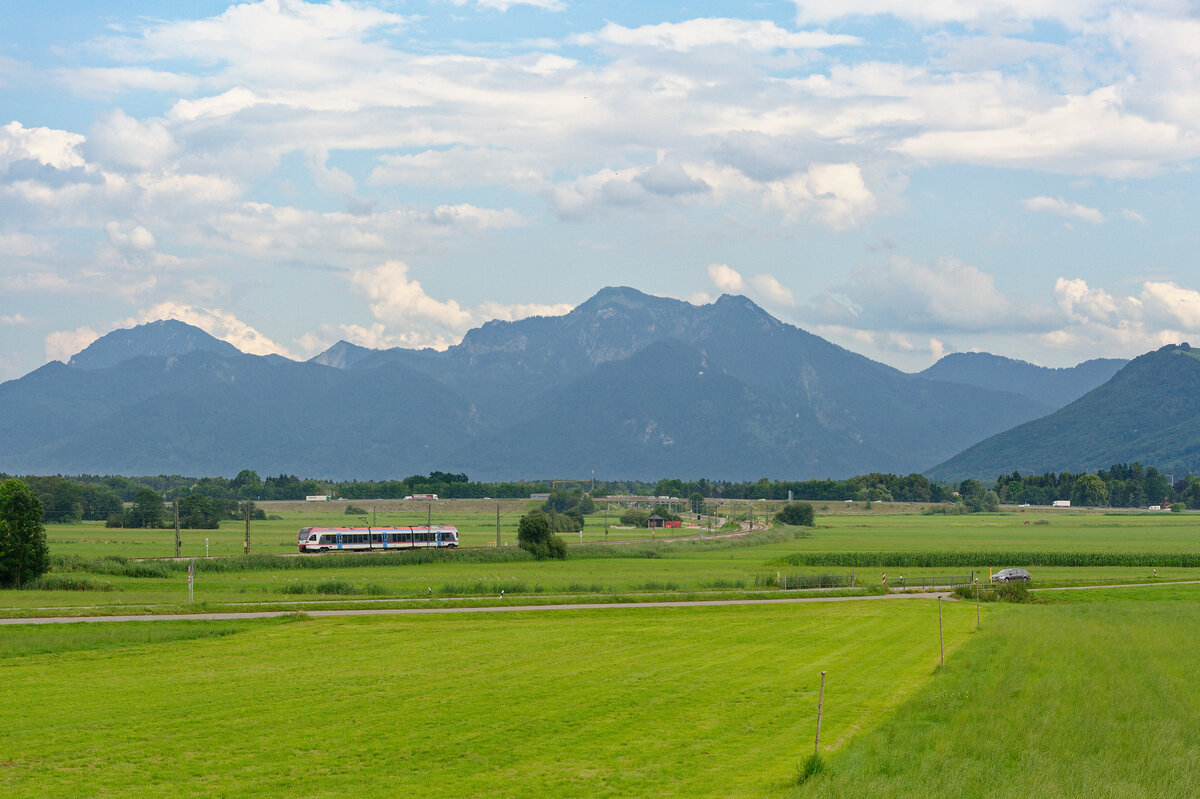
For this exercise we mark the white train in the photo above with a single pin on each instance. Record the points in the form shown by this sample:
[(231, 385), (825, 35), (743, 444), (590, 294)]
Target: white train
[(324, 539)]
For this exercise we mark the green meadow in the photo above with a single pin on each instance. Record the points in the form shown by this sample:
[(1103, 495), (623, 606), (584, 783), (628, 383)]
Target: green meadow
[(1082, 692), (1091, 698), (688, 702)]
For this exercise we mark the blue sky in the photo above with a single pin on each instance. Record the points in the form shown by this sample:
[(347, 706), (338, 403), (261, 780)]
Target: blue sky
[(906, 179)]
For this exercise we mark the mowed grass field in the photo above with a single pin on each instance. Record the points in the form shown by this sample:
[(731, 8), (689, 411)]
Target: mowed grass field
[(1092, 698), (1086, 693), (686, 702)]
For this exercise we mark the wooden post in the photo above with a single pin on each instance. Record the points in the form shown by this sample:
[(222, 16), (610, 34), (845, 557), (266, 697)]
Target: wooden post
[(941, 640), (820, 705), (978, 625), (246, 545), (497, 525)]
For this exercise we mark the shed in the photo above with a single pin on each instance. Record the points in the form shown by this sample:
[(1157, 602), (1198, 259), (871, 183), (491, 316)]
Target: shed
[(656, 521)]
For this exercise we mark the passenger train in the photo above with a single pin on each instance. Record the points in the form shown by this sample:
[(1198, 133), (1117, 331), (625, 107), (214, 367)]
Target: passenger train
[(324, 539)]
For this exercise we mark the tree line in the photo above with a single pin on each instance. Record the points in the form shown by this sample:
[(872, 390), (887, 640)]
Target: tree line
[(1122, 485)]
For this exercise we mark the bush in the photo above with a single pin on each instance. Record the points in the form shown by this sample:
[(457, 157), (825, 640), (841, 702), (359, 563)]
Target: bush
[(797, 514), (635, 518), (354, 510), (1178, 507), (536, 536), (1013, 592)]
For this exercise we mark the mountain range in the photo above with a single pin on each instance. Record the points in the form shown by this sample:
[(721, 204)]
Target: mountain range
[(1148, 412), (627, 385)]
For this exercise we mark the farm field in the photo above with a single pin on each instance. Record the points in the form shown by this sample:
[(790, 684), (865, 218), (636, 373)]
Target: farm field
[(686, 702), (706, 566), (1090, 698), (475, 520)]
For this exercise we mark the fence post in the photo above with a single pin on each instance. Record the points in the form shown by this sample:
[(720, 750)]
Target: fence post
[(820, 705), (941, 640)]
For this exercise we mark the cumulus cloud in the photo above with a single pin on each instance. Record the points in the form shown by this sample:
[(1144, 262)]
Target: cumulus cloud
[(119, 141), (682, 37), (214, 321), (771, 290), (15, 320), (522, 310), (505, 5), (726, 279), (402, 304), (1060, 207), (62, 344), (902, 294)]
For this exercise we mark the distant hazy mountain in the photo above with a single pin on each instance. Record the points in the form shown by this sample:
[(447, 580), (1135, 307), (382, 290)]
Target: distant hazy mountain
[(165, 337), (627, 384), (1148, 412), (1053, 387)]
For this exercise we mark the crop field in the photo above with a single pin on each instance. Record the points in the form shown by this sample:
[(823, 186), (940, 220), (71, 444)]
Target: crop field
[(649, 702)]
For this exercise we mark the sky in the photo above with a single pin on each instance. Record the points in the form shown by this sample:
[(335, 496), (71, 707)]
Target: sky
[(906, 179)]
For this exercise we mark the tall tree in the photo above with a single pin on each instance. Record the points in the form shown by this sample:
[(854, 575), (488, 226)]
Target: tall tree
[(24, 555)]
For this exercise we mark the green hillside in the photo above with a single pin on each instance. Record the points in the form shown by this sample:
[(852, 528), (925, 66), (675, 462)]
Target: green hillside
[(1148, 412)]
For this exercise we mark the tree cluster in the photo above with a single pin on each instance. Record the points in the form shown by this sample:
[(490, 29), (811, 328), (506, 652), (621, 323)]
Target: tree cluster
[(1120, 486), (798, 514), (24, 555), (535, 534)]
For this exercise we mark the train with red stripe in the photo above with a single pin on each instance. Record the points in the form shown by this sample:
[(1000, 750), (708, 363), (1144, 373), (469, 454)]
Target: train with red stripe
[(355, 539)]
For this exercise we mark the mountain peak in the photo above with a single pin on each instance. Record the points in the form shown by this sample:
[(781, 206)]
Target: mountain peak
[(154, 339)]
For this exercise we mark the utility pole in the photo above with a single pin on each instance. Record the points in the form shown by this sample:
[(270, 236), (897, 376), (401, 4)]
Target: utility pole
[(606, 521), (429, 517), (177, 542), (497, 525), (246, 545)]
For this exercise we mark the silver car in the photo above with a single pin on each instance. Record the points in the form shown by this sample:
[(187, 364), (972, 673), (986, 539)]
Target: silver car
[(1011, 576)]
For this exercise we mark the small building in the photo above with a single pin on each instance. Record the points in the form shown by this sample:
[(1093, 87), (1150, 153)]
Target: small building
[(656, 521)]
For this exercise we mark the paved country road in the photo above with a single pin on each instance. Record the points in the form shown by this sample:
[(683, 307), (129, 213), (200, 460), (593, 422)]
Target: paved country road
[(266, 614)]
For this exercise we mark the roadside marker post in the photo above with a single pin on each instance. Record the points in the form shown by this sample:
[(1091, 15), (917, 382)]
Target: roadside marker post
[(941, 639), (191, 570), (820, 706)]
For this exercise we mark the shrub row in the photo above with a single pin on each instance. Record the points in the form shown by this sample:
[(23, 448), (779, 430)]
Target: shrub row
[(967, 559)]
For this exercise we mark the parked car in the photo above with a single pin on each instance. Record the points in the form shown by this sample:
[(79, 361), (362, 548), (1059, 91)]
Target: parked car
[(1011, 576)]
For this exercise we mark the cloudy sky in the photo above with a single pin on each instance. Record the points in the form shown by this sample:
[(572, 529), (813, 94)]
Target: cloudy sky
[(905, 178)]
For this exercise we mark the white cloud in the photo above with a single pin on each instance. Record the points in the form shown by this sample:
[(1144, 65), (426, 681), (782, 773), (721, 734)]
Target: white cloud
[(1171, 304), (682, 37), (510, 313), (836, 194), (1060, 207), (15, 320), (903, 295), (402, 304), (505, 5), (135, 237), (980, 12), (771, 290), (726, 279), (56, 148), (62, 344), (214, 321), (118, 140)]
